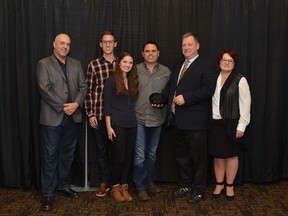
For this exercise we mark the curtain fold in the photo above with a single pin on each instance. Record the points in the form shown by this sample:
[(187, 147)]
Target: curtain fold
[(256, 29)]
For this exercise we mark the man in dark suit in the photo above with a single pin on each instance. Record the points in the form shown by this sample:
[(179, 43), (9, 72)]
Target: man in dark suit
[(62, 88), (192, 85)]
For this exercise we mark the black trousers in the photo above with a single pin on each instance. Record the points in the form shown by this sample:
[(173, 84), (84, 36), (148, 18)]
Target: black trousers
[(191, 157), (102, 152), (123, 147)]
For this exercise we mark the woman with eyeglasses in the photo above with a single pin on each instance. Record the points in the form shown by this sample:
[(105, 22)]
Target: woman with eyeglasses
[(231, 114)]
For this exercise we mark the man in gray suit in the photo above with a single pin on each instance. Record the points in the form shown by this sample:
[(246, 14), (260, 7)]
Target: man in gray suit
[(62, 87)]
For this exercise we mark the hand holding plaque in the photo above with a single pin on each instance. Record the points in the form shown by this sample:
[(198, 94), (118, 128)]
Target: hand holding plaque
[(157, 100)]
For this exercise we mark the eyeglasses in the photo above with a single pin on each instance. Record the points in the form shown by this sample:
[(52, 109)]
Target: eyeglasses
[(107, 42), (227, 61)]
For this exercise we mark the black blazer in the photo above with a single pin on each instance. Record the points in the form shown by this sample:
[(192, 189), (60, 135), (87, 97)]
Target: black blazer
[(197, 87)]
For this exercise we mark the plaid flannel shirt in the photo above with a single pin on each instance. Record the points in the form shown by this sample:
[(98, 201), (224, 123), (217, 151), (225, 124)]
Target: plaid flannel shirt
[(97, 72)]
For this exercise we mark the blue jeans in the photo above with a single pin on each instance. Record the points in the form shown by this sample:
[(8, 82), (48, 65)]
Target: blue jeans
[(102, 152), (58, 146), (145, 155)]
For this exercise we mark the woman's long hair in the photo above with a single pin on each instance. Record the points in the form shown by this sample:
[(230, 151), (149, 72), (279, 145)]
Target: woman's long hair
[(132, 77)]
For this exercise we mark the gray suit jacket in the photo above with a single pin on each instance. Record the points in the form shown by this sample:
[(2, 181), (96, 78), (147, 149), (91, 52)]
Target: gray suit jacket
[(53, 88)]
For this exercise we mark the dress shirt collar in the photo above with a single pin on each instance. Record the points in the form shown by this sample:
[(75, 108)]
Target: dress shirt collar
[(190, 61)]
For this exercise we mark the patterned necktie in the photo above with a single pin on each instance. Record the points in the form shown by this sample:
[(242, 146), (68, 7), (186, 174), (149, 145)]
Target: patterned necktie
[(180, 77), (183, 70)]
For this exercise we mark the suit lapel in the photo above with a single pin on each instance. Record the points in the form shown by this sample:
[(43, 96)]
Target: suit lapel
[(57, 67), (189, 70), (68, 67)]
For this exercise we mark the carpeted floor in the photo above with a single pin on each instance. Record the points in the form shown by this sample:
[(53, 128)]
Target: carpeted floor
[(263, 199)]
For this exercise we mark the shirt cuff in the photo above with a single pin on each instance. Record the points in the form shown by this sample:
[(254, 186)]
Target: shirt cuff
[(91, 115), (241, 127)]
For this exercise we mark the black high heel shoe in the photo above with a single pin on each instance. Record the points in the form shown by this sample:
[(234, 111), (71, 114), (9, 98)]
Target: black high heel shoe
[(216, 196), (230, 198)]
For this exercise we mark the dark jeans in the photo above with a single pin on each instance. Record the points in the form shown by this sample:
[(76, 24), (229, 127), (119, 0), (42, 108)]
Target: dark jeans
[(123, 146), (191, 157), (58, 146), (102, 152)]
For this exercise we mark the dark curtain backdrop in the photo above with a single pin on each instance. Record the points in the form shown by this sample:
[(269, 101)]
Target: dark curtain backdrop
[(257, 29)]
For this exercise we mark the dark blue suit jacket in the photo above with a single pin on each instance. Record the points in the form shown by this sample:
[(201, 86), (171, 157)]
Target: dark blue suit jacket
[(197, 87)]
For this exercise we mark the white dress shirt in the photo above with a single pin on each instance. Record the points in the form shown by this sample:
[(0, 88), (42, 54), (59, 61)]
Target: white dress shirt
[(244, 103)]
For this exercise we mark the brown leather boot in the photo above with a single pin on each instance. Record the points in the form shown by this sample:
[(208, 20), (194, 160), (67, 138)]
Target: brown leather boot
[(125, 193), (116, 193), (143, 196)]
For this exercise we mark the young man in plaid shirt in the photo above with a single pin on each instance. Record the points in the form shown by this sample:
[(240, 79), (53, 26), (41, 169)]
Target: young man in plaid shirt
[(97, 73)]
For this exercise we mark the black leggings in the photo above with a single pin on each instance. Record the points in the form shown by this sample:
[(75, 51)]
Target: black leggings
[(123, 146)]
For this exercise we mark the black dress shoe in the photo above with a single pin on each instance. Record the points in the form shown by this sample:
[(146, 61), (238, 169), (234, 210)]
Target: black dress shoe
[(181, 191), (47, 204), (216, 196), (195, 198), (68, 192), (230, 198)]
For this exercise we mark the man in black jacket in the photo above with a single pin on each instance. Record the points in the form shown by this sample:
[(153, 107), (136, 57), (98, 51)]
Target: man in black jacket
[(191, 87)]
